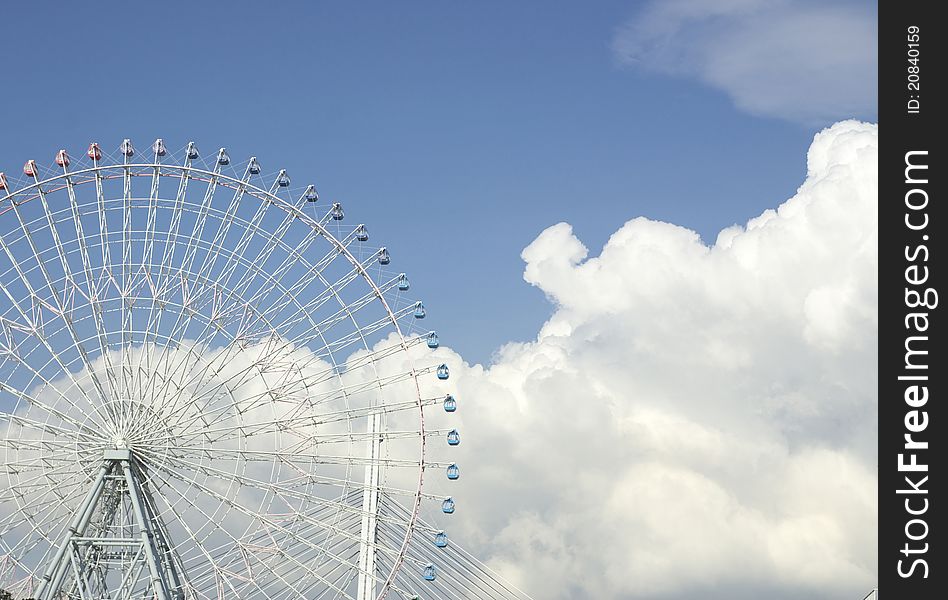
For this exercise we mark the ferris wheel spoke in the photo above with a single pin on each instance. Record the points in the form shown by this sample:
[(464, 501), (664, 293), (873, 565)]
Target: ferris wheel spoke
[(186, 315), (107, 276), (214, 298), (35, 468), (340, 574), (262, 519), (365, 386), (103, 221), (175, 340), (218, 296), (80, 428), (193, 240), (151, 221), (50, 457), (341, 581), (243, 432), (248, 314), (69, 283), (344, 314), (168, 252), (378, 355), (163, 278), (40, 485), (362, 331), (42, 517), (33, 477), (374, 357), (272, 242), (47, 507), (173, 345), (193, 540), (258, 322), (35, 444), (332, 291), (341, 392), (144, 369), (126, 285), (282, 492), (471, 574), (296, 418), (197, 542), (212, 324), (250, 229), (325, 512), (144, 267), (250, 368), (166, 357), (313, 271), (295, 257), (227, 220), (233, 346), (80, 235), (178, 411), (269, 397), (271, 456), (255, 272), (335, 416), (360, 334), (35, 330), (332, 372), (277, 490), (27, 544), (152, 215), (92, 296), (178, 574), (191, 246)]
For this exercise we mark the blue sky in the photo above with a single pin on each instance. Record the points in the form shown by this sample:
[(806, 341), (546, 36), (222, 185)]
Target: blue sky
[(456, 131)]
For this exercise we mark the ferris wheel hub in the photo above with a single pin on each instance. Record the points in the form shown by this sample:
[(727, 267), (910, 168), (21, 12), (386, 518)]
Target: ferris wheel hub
[(118, 454)]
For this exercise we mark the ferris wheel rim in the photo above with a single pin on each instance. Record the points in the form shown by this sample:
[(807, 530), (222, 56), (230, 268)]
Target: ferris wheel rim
[(64, 180)]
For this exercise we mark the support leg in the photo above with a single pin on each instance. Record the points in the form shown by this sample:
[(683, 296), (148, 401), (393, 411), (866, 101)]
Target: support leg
[(56, 570), (159, 582)]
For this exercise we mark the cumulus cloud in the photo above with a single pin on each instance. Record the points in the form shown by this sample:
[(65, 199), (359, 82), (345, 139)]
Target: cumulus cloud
[(692, 418), (802, 60)]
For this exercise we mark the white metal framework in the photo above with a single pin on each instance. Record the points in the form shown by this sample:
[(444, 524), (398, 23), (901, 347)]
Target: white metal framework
[(208, 384)]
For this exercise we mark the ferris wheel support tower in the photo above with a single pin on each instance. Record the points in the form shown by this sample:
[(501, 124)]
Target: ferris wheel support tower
[(118, 485)]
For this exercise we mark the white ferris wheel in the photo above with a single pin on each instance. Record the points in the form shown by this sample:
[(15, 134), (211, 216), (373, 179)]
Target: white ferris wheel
[(210, 387)]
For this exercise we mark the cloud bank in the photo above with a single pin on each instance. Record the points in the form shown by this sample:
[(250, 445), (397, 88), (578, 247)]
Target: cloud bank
[(801, 61), (692, 418)]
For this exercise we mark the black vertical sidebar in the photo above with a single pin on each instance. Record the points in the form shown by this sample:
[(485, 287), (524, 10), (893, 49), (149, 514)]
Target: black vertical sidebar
[(912, 272)]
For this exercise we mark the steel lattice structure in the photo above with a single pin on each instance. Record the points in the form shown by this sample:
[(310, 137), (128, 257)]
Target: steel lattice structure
[(207, 385)]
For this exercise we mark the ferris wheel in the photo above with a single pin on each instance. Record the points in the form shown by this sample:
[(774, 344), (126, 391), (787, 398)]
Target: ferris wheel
[(210, 387)]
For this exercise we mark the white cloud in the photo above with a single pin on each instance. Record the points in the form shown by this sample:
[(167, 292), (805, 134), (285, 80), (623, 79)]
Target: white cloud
[(691, 418), (803, 61)]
